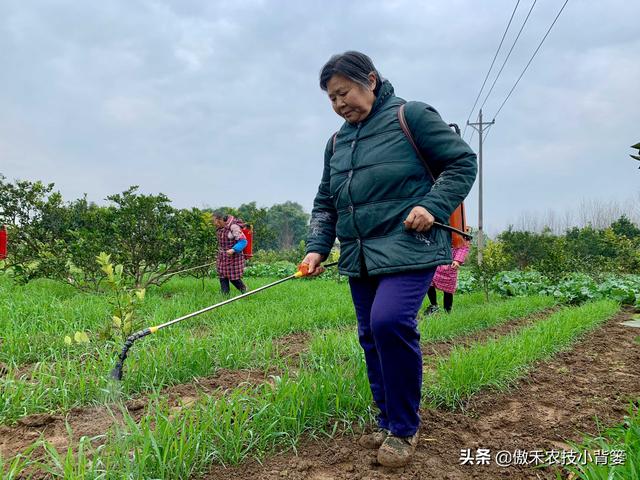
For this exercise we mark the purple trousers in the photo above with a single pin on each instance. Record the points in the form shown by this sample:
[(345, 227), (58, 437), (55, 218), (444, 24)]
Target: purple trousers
[(386, 308)]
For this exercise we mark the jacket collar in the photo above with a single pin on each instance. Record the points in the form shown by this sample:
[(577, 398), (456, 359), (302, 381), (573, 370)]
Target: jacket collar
[(386, 91)]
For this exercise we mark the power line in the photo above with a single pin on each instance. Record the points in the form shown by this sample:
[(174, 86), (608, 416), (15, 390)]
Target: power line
[(485, 138), (490, 67), (509, 54), (531, 59)]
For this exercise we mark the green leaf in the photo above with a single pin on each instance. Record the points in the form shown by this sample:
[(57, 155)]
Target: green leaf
[(108, 269), (103, 259)]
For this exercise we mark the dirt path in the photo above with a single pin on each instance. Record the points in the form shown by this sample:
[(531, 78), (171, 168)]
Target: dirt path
[(555, 403)]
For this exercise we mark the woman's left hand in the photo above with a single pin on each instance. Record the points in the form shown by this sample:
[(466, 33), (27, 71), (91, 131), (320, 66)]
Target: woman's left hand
[(455, 265), (419, 219)]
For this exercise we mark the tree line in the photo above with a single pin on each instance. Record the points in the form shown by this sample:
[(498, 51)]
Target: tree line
[(152, 240), (591, 250)]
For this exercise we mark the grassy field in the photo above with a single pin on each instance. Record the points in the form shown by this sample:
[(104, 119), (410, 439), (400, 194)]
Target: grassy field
[(325, 388)]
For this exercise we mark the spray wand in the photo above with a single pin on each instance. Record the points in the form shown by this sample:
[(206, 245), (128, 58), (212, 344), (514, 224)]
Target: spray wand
[(116, 373)]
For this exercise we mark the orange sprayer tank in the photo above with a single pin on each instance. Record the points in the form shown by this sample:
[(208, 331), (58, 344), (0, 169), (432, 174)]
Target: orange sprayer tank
[(248, 233)]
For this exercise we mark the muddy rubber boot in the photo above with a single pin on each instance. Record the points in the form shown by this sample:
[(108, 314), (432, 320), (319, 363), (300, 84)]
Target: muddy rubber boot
[(374, 439), (397, 451)]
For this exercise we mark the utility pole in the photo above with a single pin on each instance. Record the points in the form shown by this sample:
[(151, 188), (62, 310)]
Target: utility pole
[(479, 127)]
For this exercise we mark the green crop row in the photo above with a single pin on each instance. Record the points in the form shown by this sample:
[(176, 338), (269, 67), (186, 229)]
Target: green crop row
[(498, 363), (445, 326), (35, 319)]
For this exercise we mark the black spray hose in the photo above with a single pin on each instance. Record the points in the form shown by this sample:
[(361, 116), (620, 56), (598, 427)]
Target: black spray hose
[(116, 373)]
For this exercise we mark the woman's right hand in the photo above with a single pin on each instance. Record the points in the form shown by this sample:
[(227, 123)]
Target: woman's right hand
[(313, 260)]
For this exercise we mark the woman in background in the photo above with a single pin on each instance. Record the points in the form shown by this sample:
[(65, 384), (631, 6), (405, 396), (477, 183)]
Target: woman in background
[(230, 259), (446, 277)]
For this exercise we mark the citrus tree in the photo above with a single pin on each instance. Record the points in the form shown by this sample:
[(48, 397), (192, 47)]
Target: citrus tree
[(145, 234)]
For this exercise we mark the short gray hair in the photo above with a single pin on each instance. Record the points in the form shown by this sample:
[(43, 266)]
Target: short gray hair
[(355, 66)]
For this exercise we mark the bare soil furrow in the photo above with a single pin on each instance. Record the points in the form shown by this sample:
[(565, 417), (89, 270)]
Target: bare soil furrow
[(96, 421)]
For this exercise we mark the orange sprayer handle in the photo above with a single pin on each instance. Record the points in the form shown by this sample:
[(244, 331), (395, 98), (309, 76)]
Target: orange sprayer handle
[(303, 269)]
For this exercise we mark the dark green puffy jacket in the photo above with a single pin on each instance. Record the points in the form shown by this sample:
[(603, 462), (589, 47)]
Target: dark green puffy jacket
[(374, 178)]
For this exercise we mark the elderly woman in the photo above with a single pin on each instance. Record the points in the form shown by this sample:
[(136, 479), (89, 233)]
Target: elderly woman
[(377, 197), (230, 259)]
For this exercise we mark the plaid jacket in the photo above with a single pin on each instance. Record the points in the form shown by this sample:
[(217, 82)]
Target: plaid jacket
[(446, 278), (229, 266)]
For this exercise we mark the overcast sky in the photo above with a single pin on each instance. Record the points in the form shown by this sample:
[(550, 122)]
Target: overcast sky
[(217, 102)]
